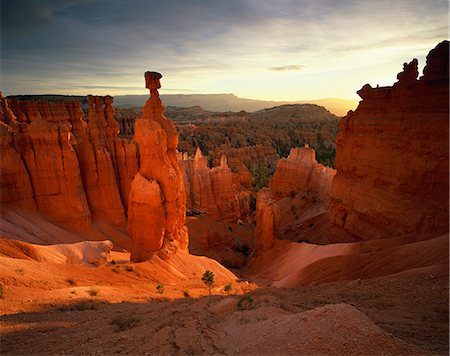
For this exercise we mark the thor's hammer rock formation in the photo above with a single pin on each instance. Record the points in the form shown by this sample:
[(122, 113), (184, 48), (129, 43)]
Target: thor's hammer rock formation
[(157, 201)]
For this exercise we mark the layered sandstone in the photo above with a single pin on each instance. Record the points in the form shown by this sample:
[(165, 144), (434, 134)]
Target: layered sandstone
[(267, 221), (14, 179), (301, 173), (392, 155), (250, 156), (45, 142), (67, 166), (157, 202), (216, 191)]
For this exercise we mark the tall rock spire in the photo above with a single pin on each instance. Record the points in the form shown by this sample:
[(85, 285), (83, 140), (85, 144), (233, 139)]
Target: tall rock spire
[(157, 201)]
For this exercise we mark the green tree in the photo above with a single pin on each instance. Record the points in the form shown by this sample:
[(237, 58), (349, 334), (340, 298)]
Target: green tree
[(208, 279)]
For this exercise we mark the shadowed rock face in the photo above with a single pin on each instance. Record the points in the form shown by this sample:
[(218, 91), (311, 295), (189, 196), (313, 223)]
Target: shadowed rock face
[(392, 155), (157, 202)]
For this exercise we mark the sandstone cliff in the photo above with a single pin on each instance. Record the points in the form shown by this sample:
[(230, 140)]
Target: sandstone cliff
[(157, 202), (77, 166), (296, 205), (216, 191), (392, 155), (300, 173)]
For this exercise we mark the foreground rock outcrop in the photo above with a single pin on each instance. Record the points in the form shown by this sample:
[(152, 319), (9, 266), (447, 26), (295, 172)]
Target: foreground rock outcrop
[(392, 155), (157, 202)]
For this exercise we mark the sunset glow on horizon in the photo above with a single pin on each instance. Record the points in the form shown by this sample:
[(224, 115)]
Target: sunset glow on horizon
[(269, 50)]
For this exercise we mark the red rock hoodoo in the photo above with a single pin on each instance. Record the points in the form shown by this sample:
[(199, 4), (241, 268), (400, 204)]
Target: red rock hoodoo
[(157, 202), (216, 191), (392, 155)]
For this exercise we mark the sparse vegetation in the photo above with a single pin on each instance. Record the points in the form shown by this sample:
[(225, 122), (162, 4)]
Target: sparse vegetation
[(93, 292), (228, 287), (245, 302), (208, 279), (71, 282), (129, 268), (160, 288), (125, 322), (186, 294)]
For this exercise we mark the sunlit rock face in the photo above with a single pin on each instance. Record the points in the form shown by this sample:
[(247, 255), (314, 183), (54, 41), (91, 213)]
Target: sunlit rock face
[(267, 221), (157, 202), (45, 160), (67, 167), (301, 173), (216, 191), (392, 155)]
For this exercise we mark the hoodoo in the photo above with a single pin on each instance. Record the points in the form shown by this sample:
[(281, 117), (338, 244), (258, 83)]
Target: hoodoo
[(157, 201)]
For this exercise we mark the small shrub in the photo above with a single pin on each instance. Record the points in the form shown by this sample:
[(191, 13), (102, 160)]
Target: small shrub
[(160, 288), (245, 302), (186, 294), (208, 279), (113, 262), (129, 268), (228, 288), (125, 322), (93, 292), (71, 281), (116, 270)]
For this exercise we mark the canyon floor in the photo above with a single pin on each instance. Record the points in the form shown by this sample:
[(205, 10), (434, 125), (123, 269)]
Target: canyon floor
[(52, 308)]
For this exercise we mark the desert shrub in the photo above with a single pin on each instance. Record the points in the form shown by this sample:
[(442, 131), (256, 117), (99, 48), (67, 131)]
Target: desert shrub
[(71, 281), (125, 322), (93, 292), (186, 294), (245, 302), (228, 288), (160, 288), (208, 279), (129, 268)]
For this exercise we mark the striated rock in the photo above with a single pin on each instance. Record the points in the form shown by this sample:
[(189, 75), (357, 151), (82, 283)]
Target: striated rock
[(258, 155), (53, 165), (14, 179), (155, 229), (267, 221), (300, 173), (216, 191), (225, 192), (392, 156), (96, 152)]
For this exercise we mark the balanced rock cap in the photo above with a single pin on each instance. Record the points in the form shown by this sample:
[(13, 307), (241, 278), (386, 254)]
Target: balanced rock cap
[(152, 80)]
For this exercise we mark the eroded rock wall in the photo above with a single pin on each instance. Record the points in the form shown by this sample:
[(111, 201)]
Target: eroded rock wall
[(217, 191), (392, 155)]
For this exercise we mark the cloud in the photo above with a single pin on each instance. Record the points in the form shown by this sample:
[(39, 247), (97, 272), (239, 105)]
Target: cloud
[(286, 67)]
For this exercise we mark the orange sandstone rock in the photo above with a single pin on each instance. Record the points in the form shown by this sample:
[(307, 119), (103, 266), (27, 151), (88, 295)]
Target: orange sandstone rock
[(300, 173), (157, 139), (267, 220), (392, 155)]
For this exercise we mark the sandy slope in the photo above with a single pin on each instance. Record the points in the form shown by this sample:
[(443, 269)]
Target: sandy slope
[(291, 264)]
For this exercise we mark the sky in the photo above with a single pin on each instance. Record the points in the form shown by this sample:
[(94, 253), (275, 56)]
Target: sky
[(271, 50)]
